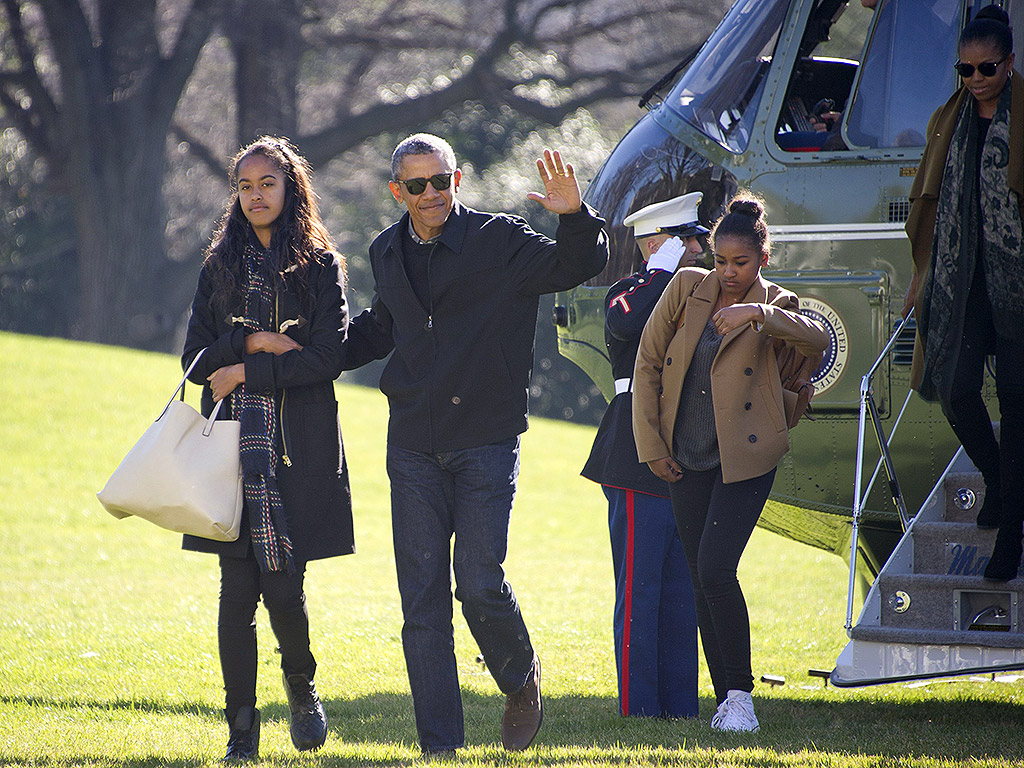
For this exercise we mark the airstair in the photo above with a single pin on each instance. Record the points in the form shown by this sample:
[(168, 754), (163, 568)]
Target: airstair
[(930, 612)]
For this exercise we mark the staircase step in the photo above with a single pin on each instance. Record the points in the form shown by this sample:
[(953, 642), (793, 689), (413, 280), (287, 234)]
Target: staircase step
[(953, 513), (936, 637), (949, 603), (953, 549)]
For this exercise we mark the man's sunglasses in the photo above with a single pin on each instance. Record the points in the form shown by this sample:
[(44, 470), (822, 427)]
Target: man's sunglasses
[(987, 68), (439, 181)]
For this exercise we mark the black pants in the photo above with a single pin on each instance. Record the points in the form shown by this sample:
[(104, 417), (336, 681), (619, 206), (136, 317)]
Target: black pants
[(241, 585), (1002, 463), (715, 520)]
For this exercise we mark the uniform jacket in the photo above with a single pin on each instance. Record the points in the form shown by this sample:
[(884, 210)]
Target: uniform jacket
[(613, 460), (750, 416), (924, 194), (460, 372), (314, 488)]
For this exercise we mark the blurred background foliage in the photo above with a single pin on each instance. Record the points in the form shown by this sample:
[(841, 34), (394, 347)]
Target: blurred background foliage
[(117, 119)]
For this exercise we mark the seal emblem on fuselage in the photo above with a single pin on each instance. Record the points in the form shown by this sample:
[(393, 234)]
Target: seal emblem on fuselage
[(834, 361)]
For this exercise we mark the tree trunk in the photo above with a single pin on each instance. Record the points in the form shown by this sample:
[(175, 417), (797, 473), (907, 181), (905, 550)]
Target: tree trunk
[(268, 50), (120, 221), (104, 134)]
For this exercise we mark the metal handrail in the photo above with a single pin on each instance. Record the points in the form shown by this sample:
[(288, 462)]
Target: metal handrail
[(869, 408)]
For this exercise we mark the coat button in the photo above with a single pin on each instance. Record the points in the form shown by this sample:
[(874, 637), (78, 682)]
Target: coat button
[(668, 361), (752, 438), (748, 371), (746, 406), (456, 400)]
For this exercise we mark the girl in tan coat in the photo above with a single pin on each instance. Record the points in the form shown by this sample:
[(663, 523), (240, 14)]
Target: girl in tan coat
[(709, 418)]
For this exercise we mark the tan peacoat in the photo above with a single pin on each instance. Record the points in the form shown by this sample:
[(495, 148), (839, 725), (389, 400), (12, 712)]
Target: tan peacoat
[(750, 416)]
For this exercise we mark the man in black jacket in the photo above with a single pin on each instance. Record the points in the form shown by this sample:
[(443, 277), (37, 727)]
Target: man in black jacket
[(456, 299)]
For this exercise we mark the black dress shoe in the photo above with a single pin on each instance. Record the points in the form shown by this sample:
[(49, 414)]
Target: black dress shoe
[(1005, 561), (309, 723), (244, 741)]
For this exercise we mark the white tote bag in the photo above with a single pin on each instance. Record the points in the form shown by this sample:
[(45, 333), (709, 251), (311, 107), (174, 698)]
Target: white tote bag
[(183, 474)]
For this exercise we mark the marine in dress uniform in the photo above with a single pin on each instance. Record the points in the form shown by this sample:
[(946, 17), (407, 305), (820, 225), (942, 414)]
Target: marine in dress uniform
[(655, 624)]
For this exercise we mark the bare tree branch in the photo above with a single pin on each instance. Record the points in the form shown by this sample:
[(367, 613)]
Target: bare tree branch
[(213, 162), (175, 70)]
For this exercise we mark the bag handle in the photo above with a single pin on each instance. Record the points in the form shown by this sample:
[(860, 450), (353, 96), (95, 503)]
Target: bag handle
[(181, 388)]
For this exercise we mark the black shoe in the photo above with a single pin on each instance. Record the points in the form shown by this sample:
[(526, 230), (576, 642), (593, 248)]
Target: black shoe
[(991, 510), (1005, 561), (244, 741), (523, 713), (309, 723)]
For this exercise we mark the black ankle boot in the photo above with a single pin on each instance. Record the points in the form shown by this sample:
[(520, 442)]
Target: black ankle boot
[(1005, 561), (991, 510), (309, 723), (244, 741)]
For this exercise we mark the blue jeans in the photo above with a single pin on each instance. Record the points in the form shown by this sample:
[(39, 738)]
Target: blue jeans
[(468, 494)]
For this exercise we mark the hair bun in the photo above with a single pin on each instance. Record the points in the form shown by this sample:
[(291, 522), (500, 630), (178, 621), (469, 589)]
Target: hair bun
[(993, 12), (747, 206)]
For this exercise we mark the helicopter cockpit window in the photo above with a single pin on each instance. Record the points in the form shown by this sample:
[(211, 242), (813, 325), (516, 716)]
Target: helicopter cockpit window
[(720, 91), (908, 73), (823, 75)]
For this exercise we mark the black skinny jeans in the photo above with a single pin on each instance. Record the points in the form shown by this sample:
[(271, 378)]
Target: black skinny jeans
[(241, 585), (715, 520), (1001, 463)]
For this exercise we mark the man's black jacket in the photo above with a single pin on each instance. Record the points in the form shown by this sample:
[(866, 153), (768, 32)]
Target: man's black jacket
[(460, 374)]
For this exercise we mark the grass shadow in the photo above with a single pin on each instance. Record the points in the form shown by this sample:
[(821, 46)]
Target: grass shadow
[(379, 729)]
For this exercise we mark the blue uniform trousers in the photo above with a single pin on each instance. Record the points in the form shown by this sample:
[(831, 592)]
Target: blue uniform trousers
[(655, 623)]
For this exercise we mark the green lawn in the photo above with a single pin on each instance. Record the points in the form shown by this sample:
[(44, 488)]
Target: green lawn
[(108, 639)]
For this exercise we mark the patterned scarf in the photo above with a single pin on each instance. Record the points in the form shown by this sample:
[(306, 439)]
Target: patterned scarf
[(257, 415), (958, 248)]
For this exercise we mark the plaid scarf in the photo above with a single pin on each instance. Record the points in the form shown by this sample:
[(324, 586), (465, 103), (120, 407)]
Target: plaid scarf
[(977, 226), (257, 416)]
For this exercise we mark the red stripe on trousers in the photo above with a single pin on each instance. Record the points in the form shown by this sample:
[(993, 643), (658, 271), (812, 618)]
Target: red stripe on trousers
[(628, 619)]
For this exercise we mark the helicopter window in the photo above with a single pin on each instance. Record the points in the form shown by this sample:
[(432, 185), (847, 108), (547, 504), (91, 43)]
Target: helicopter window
[(908, 73), (720, 91), (823, 76)]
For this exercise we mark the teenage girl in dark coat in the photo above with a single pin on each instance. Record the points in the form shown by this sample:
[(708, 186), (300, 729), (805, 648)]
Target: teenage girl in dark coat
[(270, 314)]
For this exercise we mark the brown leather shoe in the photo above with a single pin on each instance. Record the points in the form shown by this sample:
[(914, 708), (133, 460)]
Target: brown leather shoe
[(523, 713)]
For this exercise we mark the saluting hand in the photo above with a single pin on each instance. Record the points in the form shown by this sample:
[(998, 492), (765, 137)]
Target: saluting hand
[(563, 193)]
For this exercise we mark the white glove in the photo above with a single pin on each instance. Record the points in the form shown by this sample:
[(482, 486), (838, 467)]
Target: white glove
[(668, 255)]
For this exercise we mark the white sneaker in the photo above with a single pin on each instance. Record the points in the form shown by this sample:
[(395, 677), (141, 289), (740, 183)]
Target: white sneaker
[(719, 713), (738, 714)]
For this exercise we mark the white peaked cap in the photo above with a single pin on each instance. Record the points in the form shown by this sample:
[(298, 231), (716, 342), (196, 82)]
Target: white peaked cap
[(677, 216)]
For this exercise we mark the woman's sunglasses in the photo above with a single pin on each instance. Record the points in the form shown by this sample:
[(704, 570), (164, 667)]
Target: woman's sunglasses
[(987, 68), (439, 181)]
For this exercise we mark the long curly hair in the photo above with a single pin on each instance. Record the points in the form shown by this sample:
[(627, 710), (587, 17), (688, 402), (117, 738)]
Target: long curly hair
[(299, 235)]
